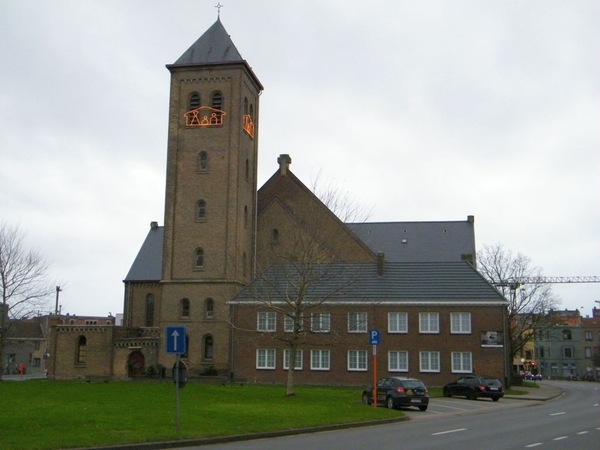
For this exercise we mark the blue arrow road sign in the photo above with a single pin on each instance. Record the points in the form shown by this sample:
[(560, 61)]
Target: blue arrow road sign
[(176, 340), (374, 337)]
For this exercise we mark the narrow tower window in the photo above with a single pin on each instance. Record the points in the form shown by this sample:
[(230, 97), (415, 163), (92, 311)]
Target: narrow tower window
[(247, 169), (185, 307), (194, 101), (245, 217), (208, 347), (203, 162), (217, 103), (81, 347), (150, 310), (201, 210), (199, 258), (210, 308)]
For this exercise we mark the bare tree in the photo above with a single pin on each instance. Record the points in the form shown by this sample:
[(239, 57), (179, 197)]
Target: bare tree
[(24, 286), (528, 304), (305, 267)]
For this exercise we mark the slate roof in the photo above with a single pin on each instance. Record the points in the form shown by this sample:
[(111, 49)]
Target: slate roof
[(447, 283), (21, 329), (418, 241), (214, 46), (147, 265)]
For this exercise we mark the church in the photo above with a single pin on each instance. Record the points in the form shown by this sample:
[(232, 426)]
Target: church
[(263, 276)]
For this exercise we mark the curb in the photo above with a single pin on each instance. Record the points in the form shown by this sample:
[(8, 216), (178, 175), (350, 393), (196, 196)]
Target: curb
[(243, 437)]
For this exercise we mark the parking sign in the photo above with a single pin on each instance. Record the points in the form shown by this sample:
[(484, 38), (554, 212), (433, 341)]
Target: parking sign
[(374, 338)]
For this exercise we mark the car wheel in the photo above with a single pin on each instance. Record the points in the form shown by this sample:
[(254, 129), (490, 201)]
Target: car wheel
[(495, 399), (390, 403), (447, 392), (423, 408), (365, 399)]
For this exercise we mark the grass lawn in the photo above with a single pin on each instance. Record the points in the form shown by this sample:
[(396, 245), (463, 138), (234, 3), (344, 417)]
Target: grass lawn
[(44, 414)]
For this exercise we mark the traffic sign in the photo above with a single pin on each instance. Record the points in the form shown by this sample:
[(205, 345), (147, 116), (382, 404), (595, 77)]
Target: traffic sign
[(374, 337), (176, 340)]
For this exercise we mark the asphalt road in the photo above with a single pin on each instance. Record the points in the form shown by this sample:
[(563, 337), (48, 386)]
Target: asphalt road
[(571, 421)]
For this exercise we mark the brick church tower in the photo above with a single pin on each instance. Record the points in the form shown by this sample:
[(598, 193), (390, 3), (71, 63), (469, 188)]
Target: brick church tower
[(210, 203)]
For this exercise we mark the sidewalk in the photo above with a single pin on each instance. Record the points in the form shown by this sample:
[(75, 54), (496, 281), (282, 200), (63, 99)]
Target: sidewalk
[(544, 392)]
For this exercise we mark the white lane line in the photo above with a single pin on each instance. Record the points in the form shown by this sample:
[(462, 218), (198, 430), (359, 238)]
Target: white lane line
[(583, 432), (558, 413), (537, 444), (449, 431), (560, 438)]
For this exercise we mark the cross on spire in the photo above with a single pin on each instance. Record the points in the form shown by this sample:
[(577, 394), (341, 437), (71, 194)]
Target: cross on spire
[(218, 6)]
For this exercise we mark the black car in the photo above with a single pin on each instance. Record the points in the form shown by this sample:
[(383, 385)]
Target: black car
[(473, 387), (395, 392)]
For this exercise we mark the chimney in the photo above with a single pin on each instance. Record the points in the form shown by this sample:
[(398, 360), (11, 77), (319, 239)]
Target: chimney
[(471, 219), (380, 261), (284, 162), (153, 225)]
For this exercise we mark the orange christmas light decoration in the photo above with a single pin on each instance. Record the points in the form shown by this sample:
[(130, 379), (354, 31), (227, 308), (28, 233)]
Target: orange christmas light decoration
[(248, 125), (205, 116)]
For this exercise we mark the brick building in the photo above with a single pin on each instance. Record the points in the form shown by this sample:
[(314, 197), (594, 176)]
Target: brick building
[(223, 238)]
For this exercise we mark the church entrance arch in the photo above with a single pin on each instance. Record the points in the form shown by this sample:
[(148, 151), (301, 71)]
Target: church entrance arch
[(135, 363)]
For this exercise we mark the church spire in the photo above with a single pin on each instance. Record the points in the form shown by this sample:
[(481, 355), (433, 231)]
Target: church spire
[(214, 46)]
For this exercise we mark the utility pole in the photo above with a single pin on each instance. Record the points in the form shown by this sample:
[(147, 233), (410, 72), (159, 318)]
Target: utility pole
[(58, 289)]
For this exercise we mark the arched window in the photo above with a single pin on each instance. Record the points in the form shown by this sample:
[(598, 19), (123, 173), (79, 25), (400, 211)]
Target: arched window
[(199, 258), (210, 308), (149, 310), (185, 307), (245, 217), (203, 162), (201, 210), (252, 111), (247, 169), (208, 345), (81, 345), (275, 236), (217, 100), (194, 101), (217, 103)]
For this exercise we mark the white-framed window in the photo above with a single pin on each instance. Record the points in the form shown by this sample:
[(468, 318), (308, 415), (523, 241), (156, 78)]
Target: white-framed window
[(265, 358), (460, 323), (429, 323), (286, 359), (357, 322), (357, 360), (429, 361), (320, 322), (398, 361), (397, 322), (320, 360), (266, 321), (288, 323), (462, 362)]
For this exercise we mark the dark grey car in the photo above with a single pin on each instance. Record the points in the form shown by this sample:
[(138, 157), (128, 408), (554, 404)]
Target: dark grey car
[(396, 392), (473, 387)]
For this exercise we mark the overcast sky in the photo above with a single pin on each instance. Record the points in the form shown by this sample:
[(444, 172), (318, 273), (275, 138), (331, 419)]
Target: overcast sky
[(419, 110)]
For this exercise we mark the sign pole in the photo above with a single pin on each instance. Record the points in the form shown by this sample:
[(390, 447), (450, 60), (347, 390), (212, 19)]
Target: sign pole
[(374, 376), (177, 393)]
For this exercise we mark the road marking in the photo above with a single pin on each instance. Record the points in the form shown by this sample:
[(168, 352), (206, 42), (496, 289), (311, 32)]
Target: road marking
[(558, 413), (561, 438), (449, 431), (583, 432), (537, 444)]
